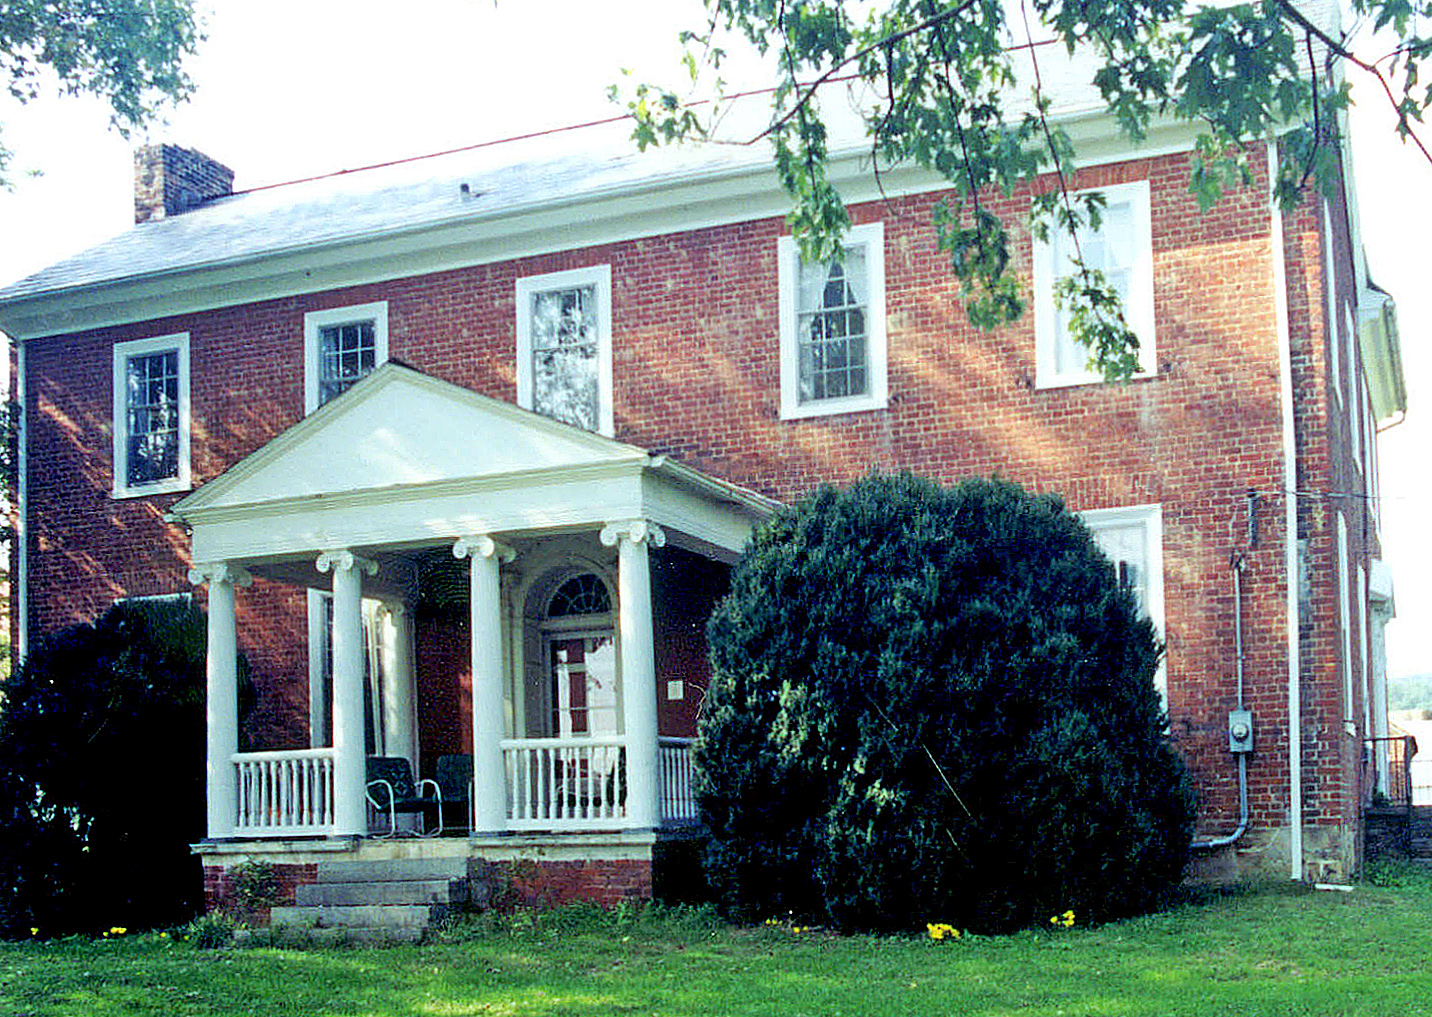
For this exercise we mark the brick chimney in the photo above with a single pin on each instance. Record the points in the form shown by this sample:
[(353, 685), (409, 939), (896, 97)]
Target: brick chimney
[(169, 180)]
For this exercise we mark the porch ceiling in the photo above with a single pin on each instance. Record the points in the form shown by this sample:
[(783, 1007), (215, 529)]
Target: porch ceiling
[(405, 460)]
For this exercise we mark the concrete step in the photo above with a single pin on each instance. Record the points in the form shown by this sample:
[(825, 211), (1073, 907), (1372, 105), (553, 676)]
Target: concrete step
[(357, 916), (393, 870), (407, 891)]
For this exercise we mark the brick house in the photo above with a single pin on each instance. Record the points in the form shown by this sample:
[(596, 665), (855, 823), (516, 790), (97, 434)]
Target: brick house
[(458, 453)]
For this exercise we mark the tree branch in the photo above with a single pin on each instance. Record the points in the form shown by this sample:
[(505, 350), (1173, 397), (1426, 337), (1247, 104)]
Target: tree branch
[(810, 91)]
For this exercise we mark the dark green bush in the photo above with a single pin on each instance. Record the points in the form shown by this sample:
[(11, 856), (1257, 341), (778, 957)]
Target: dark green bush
[(102, 774), (935, 705)]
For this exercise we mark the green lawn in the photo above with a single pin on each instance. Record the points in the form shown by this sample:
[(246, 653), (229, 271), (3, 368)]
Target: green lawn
[(1274, 952)]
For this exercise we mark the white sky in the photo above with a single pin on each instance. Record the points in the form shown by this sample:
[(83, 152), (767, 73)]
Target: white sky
[(300, 87)]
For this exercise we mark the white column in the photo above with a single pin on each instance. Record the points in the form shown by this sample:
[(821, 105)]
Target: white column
[(399, 692), (638, 662), (222, 702), (489, 777), (350, 760)]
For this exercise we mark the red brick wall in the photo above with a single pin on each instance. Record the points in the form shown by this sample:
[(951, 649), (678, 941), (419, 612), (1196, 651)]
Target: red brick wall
[(219, 889), (696, 374), (444, 687), (684, 589), (549, 883)]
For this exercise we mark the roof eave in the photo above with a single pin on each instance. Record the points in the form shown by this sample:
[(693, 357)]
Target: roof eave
[(721, 195)]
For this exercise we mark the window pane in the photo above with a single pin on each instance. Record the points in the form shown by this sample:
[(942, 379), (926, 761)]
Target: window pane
[(1126, 545), (346, 354), (1110, 250), (565, 346), (152, 418), (564, 385), (831, 336)]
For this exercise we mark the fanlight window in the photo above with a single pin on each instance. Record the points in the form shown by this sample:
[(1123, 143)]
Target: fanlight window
[(582, 594)]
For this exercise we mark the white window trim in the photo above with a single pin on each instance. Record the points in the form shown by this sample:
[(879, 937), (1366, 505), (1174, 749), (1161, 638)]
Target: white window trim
[(1330, 283), (1151, 518), (122, 352), (598, 276), (377, 312), (1139, 313), (872, 237), (1345, 623)]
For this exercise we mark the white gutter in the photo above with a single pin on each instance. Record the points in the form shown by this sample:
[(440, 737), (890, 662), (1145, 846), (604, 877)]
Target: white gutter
[(1290, 528)]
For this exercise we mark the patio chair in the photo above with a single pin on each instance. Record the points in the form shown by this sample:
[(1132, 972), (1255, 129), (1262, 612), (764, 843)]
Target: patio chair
[(454, 775), (391, 790)]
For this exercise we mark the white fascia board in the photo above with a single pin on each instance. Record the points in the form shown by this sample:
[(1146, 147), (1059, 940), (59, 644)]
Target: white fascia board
[(756, 504), (421, 515), (719, 528), (624, 212)]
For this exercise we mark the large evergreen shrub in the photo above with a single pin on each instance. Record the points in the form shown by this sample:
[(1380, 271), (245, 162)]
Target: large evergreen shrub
[(102, 774), (935, 705)]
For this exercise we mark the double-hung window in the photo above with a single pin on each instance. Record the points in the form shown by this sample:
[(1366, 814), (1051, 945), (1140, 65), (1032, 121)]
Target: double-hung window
[(564, 346), (342, 346), (151, 416), (1132, 539), (833, 343), (1122, 249)]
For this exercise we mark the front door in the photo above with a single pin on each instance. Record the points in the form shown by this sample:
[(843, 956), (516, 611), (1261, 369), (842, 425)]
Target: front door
[(585, 701)]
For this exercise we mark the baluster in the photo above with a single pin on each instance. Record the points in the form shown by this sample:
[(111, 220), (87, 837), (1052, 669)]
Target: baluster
[(585, 770), (599, 787)]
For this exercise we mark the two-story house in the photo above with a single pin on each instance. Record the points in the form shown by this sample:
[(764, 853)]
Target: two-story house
[(458, 452)]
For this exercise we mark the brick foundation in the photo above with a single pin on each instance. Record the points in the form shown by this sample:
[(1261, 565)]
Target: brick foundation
[(526, 883), (219, 890)]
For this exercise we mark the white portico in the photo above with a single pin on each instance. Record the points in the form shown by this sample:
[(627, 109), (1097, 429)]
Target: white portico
[(557, 528)]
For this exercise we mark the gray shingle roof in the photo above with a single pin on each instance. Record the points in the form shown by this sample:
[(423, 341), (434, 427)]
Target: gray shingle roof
[(368, 203), (562, 166)]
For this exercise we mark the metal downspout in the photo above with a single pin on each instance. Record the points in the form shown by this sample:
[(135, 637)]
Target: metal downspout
[(1290, 528)]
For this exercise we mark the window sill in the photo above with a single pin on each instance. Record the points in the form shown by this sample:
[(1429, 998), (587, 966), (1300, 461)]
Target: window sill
[(834, 407), (158, 487), (1077, 381)]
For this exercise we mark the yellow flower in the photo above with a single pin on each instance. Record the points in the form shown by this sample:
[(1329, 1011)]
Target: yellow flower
[(34, 931), (940, 930), (117, 930)]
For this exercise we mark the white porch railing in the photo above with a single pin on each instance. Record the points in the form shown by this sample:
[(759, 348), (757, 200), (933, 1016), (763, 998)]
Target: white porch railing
[(675, 804), (284, 793), (565, 783), (552, 784)]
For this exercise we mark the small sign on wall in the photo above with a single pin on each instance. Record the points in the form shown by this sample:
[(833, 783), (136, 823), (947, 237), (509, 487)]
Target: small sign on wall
[(676, 689)]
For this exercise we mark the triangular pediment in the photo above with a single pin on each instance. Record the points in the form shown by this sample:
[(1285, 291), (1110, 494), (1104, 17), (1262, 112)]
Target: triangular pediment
[(401, 428)]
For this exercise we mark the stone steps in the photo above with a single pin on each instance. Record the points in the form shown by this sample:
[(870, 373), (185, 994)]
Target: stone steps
[(404, 891), (374, 902)]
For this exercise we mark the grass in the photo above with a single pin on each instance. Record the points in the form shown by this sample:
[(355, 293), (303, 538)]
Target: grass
[(1277, 950)]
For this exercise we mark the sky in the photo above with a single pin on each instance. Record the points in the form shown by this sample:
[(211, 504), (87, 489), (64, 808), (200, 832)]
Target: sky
[(292, 89)]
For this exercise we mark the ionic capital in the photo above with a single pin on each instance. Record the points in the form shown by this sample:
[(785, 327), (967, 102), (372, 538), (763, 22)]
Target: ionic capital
[(635, 530), (482, 547), (211, 572), (394, 609), (343, 561)]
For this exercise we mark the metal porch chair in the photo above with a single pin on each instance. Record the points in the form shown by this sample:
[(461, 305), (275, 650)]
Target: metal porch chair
[(391, 790)]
